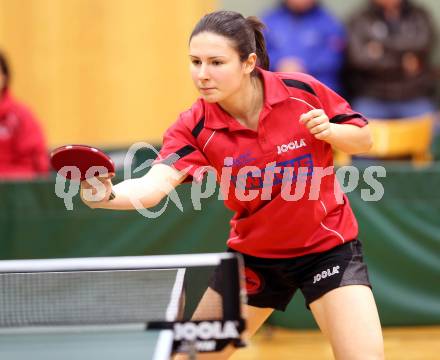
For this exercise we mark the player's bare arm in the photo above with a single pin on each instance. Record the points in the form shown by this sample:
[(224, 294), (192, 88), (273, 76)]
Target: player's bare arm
[(149, 189)]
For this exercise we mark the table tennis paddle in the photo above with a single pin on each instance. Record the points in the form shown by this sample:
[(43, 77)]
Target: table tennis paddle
[(82, 157)]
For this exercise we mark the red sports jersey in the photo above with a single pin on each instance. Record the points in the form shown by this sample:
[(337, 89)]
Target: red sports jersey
[(23, 153), (266, 224)]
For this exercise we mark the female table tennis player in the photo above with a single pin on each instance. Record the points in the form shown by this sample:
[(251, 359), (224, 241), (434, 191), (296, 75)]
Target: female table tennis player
[(248, 116)]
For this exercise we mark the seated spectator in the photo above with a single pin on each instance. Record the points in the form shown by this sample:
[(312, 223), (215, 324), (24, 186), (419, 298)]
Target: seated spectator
[(23, 153), (389, 49), (301, 35)]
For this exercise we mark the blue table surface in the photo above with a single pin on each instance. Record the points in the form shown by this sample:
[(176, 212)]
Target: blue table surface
[(83, 345)]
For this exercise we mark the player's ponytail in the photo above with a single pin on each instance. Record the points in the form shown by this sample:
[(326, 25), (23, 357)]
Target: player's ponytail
[(260, 43), (245, 33), (4, 68)]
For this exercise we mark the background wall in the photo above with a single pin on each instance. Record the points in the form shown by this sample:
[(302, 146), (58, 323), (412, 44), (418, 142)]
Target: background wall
[(109, 73), (102, 72)]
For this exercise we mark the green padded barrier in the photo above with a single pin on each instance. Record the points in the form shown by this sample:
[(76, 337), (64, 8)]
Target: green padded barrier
[(400, 233)]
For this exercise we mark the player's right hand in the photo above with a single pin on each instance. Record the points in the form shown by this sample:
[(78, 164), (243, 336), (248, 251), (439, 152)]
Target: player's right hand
[(96, 190)]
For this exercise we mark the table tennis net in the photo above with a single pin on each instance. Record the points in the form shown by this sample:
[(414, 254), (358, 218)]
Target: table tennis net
[(101, 297)]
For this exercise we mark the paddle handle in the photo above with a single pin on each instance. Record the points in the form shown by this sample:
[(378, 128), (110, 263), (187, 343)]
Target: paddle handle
[(112, 195)]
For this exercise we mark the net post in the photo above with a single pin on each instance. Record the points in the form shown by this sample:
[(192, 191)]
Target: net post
[(231, 299)]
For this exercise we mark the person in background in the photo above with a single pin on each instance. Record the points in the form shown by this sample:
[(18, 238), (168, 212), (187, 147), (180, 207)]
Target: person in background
[(301, 35), (23, 152), (390, 43)]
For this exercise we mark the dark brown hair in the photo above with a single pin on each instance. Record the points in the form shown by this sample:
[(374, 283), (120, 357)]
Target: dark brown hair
[(4, 68), (245, 33)]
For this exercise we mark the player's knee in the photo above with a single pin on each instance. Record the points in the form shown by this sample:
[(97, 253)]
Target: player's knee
[(376, 351), (370, 354), (378, 354), (222, 355)]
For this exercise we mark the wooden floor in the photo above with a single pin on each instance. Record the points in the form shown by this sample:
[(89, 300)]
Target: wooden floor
[(409, 343)]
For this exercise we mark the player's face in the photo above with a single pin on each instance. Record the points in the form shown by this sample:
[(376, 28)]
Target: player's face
[(216, 68)]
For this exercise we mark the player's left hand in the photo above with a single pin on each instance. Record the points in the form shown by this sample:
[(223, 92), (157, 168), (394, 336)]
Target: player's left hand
[(318, 123)]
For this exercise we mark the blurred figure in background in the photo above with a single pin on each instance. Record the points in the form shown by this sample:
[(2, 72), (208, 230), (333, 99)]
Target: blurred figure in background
[(23, 153), (389, 49), (301, 35)]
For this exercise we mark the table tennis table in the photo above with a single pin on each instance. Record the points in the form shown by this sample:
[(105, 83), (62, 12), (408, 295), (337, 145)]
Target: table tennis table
[(86, 344), (69, 340)]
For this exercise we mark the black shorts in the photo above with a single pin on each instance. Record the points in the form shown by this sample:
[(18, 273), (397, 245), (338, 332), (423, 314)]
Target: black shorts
[(271, 283)]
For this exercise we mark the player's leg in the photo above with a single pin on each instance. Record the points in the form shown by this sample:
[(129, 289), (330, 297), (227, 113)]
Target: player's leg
[(255, 318), (210, 308), (338, 291), (267, 289), (348, 317)]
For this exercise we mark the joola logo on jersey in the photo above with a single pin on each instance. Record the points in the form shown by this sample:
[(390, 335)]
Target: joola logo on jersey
[(206, 330), (325, 274), (291, 146)]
